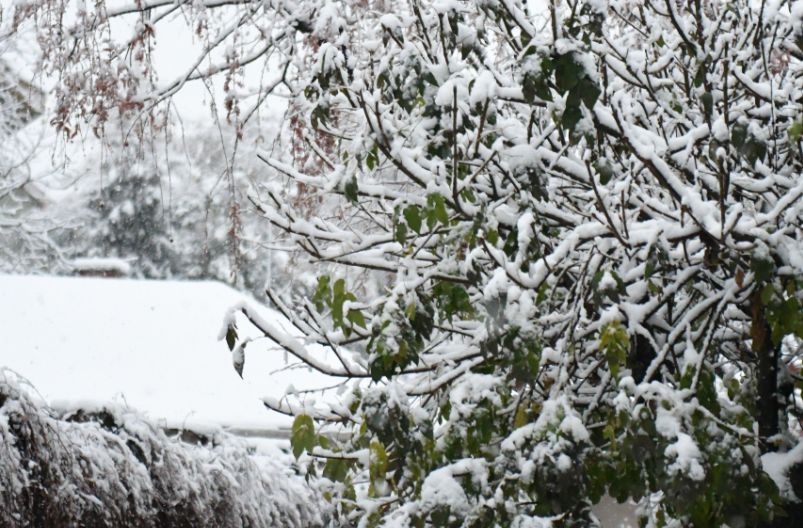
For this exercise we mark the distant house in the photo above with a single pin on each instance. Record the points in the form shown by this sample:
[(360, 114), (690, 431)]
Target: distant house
[(150, 345), (100, 267)]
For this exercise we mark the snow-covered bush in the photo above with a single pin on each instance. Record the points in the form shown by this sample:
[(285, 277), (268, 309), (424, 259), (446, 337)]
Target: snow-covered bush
[(109, 467)]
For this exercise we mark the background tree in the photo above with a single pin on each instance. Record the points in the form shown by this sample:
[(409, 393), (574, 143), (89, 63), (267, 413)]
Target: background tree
[(133, 222), (166, 210), (107, 85), (27, 238)]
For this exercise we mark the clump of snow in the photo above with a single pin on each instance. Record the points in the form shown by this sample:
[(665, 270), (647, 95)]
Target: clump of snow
[(667, 424), (555, 414), (526, 521), (607, 282), (720, 129), (390, 21), (573, 426), (444, 6), (441, 489), (797, 11), (564, 463), (687, 457), (777, 466), (690, 355), (452, 92), (471, 389), (484, 88), (329, 22), (599, 6)]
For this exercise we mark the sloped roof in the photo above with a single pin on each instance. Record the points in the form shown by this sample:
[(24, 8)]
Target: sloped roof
[(150, 345)]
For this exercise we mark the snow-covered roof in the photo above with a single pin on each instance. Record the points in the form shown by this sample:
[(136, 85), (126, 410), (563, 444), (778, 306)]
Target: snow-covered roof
[(150, 345), (98, 265)]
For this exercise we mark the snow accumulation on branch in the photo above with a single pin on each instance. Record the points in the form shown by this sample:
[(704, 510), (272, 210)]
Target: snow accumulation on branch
[(110, 467)]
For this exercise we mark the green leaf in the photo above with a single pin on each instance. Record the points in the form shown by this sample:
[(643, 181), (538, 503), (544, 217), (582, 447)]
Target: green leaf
[(356, 318), (567, 72), (543, 290), (452, 299), (302, 435), (604, 170), (767, 292), (589, 92), (412, 215), (699, 77), (336, 469), (338, 298), (738, 135), (795, 131), (708, 104), (410, 311), (438, 205), (528, 87), (440, 210), (323, 293), (401, 233), (753, 150), (615, 343), (238, 359), (762, 268), (492, 236), (535, 86), (319, 115), (521, 419), (377, 466), (571, 116), (350, 190), (706, 392), (372, 158), (231, 336), (339, 288), (785, 318)]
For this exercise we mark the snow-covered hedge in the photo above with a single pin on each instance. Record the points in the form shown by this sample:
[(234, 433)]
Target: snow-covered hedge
[(110, 467)]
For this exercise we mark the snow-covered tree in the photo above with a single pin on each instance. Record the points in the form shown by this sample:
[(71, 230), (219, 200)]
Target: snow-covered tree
[(167, 210), (588, 220), (26, 228), (105, 85), (594, 228), (133, 222)]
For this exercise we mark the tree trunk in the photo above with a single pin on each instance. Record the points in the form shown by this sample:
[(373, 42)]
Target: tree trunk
[(767, 372)]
